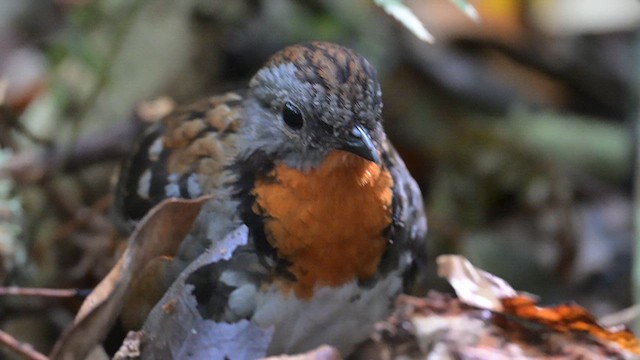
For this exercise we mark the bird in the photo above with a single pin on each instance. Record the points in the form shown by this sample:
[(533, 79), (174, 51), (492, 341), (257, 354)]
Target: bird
[(336, 222)]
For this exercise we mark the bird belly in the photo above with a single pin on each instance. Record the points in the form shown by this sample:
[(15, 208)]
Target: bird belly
[(338, 316)]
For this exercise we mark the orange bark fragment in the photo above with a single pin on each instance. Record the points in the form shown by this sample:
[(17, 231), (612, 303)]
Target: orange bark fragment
[(568, 318)]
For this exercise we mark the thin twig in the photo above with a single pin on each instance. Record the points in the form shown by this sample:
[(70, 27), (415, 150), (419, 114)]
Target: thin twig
[(27, 351), (80, 219), (44, 292), (96, 148), (8, 117), (635, 120), (624, 316)]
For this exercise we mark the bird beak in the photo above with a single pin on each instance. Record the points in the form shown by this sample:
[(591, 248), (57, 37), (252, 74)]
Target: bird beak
[(360, 143)]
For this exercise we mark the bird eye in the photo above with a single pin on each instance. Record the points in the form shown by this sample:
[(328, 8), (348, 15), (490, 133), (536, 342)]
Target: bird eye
[(292, 116)]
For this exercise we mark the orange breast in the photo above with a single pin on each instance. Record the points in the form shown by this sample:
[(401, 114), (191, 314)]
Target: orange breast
[(329, 221)]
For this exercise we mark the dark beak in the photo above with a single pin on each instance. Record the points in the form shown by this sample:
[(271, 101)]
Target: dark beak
[(360, 143)]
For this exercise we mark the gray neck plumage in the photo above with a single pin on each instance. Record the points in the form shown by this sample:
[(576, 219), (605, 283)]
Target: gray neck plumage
[(258, 138)]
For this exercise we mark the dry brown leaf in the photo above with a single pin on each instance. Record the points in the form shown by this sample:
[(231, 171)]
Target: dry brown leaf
[(478, 288), (440, 326), (130, 348), (101, 292), (158, 233), (474, 286), (146, 290)]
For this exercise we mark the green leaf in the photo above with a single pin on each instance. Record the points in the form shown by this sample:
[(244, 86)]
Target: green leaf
[(468, 9), (406, 17)]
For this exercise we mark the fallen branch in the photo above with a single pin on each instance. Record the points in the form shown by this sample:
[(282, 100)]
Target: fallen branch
[(44, 292), (27, 351)]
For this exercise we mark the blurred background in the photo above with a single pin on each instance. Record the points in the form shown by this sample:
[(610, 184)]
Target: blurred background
[(518, 123)]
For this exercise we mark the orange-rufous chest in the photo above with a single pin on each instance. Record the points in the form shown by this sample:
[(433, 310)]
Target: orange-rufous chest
[(330, 221)]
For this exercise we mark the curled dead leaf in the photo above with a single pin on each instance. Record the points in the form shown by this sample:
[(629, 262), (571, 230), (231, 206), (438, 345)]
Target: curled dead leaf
[(474, 286), (158, 233)]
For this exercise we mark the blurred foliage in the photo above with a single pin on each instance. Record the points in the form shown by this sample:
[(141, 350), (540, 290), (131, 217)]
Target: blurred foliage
[(516, 128)]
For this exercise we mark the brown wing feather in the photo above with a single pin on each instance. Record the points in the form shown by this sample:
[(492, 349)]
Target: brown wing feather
[(181, 156)]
